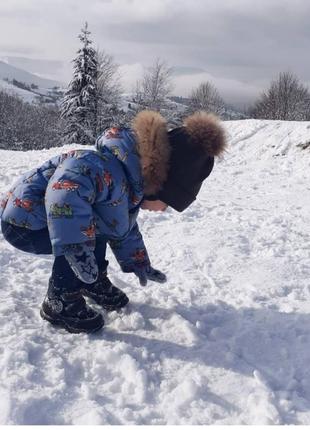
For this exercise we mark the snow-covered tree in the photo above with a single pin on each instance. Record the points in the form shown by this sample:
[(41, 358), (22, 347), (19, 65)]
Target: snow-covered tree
[(206, 97), (286, 99), (80, 104)]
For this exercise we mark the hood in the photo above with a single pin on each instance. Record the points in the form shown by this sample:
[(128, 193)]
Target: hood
[(144, 150), (154, 143), (122, 144), (153, 146)]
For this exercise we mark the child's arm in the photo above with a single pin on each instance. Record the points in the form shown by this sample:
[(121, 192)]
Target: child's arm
[(132, 256), (131, 251)]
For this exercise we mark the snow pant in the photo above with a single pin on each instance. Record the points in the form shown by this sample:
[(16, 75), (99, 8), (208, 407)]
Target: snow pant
[(38, 242)]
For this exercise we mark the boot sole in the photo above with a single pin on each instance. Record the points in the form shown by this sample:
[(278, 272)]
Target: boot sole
[(70, 329)]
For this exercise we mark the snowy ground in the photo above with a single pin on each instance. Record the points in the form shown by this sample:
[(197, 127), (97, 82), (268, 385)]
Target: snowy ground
[(225, 341)]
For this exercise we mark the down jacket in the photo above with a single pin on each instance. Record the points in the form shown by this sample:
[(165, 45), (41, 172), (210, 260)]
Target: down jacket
[(83, 193)]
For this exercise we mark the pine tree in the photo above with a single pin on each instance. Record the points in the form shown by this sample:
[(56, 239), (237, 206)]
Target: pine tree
[(79, 107)]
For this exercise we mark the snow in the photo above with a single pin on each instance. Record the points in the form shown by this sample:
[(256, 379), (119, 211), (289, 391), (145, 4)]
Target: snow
[(126, 100), (225, 341), (27, 96)]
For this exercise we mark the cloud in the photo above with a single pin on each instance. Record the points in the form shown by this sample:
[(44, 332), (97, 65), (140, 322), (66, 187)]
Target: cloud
[(240, 43), (186, 79), (131, 11), (20, 49), (232, 91), (129, 74)]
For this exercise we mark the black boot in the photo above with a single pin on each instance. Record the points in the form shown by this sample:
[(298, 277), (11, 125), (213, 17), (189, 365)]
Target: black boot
[(105, 293), (69, 310)]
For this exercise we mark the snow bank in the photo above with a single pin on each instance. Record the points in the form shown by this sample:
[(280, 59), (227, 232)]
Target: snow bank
[(225, 341)]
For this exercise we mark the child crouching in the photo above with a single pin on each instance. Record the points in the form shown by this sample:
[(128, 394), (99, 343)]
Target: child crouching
[(76, 203)]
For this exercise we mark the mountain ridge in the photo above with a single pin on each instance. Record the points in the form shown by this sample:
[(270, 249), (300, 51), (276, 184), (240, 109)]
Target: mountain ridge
[(7, 71)]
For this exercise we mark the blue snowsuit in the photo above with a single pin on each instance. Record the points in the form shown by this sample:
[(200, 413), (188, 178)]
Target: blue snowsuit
[(82, 194)]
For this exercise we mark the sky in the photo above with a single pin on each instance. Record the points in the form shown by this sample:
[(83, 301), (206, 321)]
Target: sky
[(238, 45)]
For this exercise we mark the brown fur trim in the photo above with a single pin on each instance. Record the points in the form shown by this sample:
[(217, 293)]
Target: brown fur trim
[(154, 149), (205, 130)]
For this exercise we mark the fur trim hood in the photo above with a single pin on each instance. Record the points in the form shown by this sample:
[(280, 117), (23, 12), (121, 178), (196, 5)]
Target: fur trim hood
[(153, 145)]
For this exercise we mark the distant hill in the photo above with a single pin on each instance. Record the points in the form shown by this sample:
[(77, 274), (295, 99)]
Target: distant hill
[(47, 69), (10, 72), (25, 95), (29, 87)]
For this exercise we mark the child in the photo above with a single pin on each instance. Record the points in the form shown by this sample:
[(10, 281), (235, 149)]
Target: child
[(77, 202)]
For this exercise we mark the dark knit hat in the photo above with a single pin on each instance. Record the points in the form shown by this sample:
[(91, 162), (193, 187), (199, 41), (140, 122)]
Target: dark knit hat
[(174, 164), (193, 148)]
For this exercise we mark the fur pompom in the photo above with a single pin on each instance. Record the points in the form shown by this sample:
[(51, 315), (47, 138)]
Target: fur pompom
[(205, 130)]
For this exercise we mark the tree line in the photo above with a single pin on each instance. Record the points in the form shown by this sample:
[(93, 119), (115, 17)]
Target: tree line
[(25, 126), (93, 102)]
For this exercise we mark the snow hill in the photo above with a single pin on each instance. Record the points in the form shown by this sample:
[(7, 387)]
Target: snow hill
[(34, 90), (7, 71), (225, 341), (25, 95)]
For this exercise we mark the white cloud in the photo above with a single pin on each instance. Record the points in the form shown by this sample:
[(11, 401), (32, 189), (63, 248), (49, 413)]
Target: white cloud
[(240, 42), (124, 11), (231, 90), (129, 74)]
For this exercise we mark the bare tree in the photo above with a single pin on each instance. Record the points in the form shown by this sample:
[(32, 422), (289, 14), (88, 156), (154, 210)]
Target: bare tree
[(154, 88), (286, 99), (109, 90), (206, 97)]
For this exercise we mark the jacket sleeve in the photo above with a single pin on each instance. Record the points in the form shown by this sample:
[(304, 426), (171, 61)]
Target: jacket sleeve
[(130, 252), (111, 211)]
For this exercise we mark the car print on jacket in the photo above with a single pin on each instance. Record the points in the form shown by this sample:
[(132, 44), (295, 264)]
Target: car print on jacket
[(107, 178), (89, 231), (99, 183), (24, 204), (64, 211), (65, 185), (118, 153), (112, 133), (22, 224)]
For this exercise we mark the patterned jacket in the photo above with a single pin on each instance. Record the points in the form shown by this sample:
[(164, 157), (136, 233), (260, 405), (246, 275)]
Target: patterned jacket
[(84, 193)]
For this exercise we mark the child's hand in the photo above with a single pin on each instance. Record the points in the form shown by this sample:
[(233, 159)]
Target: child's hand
[(149, 273)]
